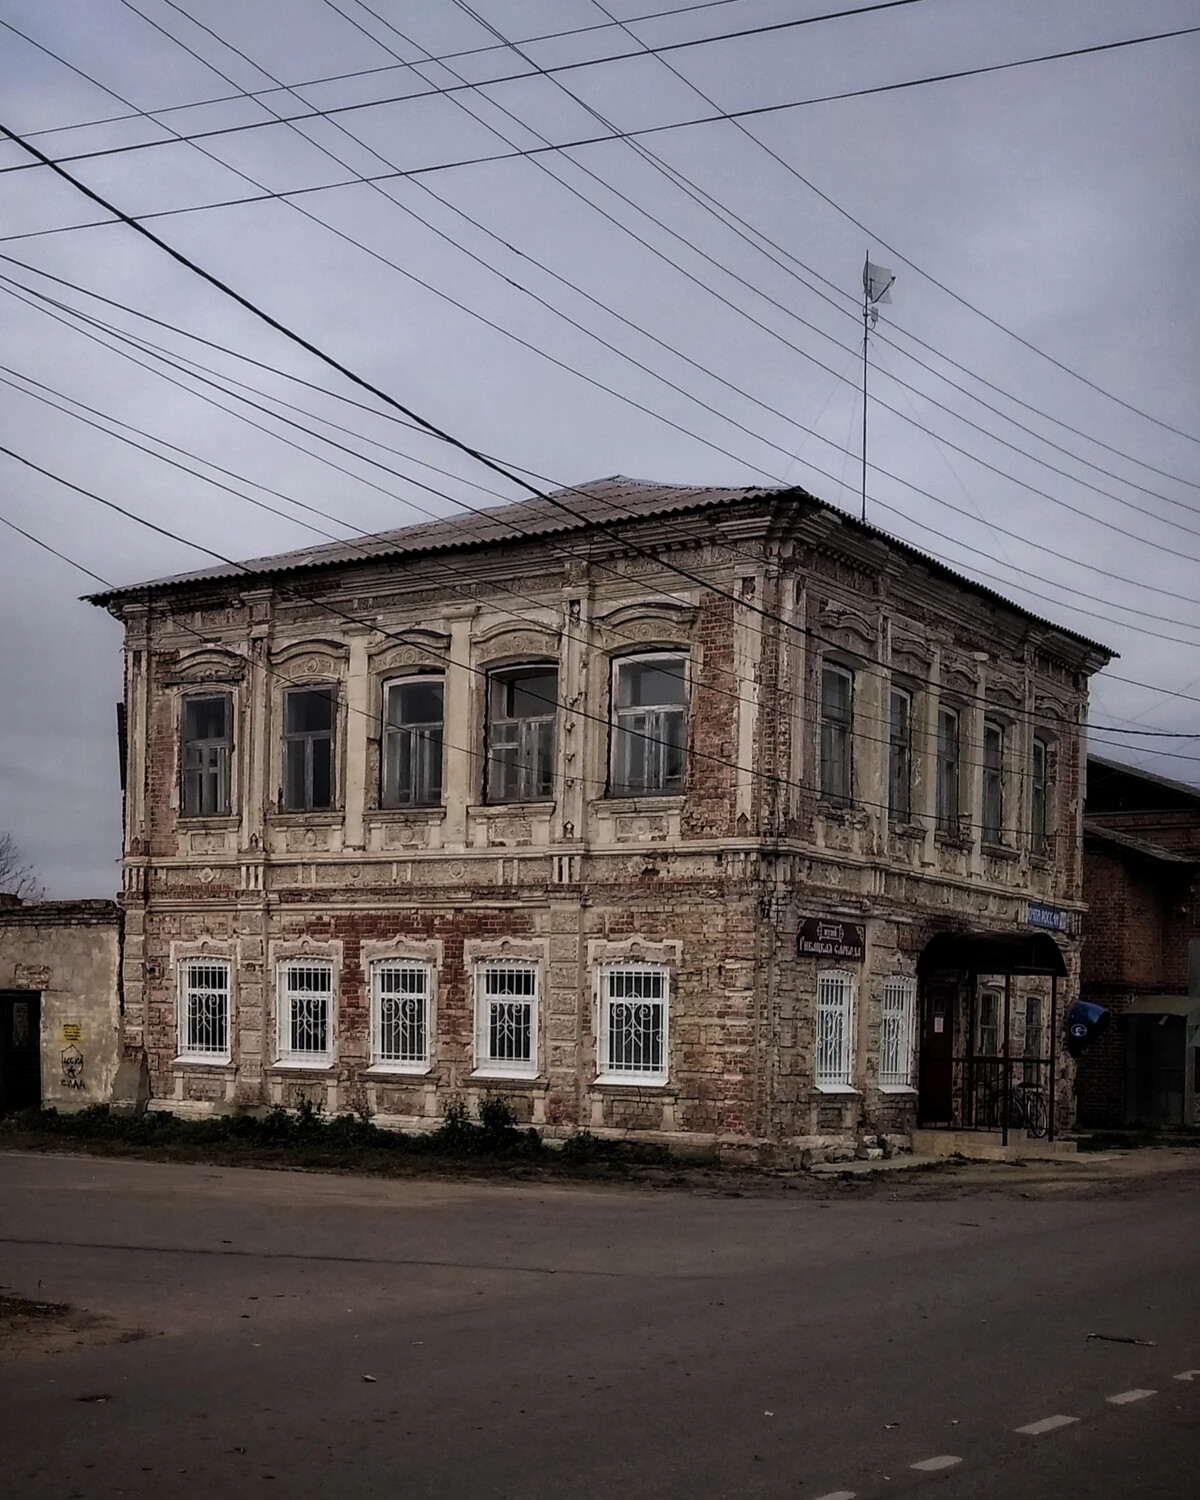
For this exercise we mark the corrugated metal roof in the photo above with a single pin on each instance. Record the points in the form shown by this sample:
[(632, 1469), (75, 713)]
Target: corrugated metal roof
[(598, 503)]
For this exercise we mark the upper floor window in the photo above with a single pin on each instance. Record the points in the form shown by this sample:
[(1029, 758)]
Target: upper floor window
[(309, 716), (207, 753), (896, 1033), (835, 1024), (900, 757), (204, 1010), (522, 706), (412, 742), (650, 695), (993, 782), (633, 1023), (400, 1028), (837, 723), (1039, 801), (947, 770), (305, 995), (506, 1018)]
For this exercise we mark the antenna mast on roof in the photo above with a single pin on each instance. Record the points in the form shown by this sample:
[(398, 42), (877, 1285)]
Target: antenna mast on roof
[(877, 288)]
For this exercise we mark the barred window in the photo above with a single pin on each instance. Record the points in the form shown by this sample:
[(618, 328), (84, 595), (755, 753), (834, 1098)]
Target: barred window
[(522, 705), (633, 1023), (308, 743), (993, 782), (506, 1018), (305, 994), (207, 733), (989, 1024), (837, 734), (896, 1033), (412, 742), (835, 1041), (1035, 1039), (400, 993), (204, 1010), (649, 743)]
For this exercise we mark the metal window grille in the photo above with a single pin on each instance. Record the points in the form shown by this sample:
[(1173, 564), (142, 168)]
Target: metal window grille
[(402, 1014), (507, 1025), (207, 754), (305, 1010), (1039, 801), (900, 758), (412, 743), (634, 1026), (204, 1019), (835, 1000), (947, 770), (895, 1033), (993, 783), (650, 725), (521, 715), (308, 740), (837, 725)]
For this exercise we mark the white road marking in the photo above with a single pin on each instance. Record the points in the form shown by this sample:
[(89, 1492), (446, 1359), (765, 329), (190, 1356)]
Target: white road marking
[(837, 1495), (1187, 1375), (1123, 1398), (942, 1461), (1047, 1424)]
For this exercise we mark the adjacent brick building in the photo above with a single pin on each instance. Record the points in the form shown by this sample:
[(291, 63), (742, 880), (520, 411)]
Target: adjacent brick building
[(1141, 957), (640, 805)]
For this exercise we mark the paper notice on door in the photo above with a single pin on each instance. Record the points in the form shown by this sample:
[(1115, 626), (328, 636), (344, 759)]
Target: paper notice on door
[(939, 1023)]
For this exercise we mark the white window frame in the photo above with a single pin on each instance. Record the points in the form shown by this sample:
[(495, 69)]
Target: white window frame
[(186, 988), (897, 1034), (836, 760), (421, 734), (657, 741), (381, 1062), (487, 1066), (284, 1054), (606, 1071), (833, 1060)]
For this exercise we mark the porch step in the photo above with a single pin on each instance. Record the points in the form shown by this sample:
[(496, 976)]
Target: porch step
[(988, 1145)]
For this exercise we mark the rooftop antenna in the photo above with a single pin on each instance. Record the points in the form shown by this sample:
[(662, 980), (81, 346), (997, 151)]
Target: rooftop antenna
[(877, 288)]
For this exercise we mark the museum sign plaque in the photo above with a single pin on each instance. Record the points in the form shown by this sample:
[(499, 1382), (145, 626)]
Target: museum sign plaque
[(824, 937)]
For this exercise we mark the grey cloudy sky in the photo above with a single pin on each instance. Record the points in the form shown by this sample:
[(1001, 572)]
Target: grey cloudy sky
[(1061, 199)]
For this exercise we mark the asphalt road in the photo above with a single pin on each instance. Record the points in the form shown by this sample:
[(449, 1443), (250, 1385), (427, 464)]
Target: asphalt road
[(567, 1342)]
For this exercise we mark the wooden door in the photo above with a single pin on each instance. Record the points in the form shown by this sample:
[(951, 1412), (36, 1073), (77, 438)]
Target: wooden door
[(20, 1050), (935, 1064)]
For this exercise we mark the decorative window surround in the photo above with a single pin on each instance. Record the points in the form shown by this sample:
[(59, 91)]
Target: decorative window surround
[(424, 956), (896, 1035), (633, 1035), (631, 954), (205, 952), (205, 1010), (507, 1013), (305, 954)]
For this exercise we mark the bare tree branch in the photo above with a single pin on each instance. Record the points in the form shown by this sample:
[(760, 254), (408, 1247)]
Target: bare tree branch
[(17, 877)]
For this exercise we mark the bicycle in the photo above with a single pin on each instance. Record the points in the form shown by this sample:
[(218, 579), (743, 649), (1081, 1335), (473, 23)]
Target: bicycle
[(1028, 1109)]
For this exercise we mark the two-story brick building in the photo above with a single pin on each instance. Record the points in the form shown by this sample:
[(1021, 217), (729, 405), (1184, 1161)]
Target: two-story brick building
[(704, 812)]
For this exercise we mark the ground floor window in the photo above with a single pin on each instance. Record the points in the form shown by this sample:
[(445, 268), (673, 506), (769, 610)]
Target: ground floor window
[(633, 1023), (896, 1033), (400, 991), (306, 1012), (204, 1010), (506, 1018), (835, 1014)]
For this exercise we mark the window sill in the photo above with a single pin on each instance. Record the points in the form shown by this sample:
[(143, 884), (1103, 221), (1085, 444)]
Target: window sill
[(629, 1081), (323, 817), (514, 1080), (202, 822), (185, 1061), (1000, 851), (642, 802), (949, 840), (302, 1065), (907, 830), (432, 812), (543, 807), (839, 1090), (399, 1070), (904, 1090)]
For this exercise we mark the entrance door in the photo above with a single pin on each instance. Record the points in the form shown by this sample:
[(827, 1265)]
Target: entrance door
[(935, 1067), (20, 1050)]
